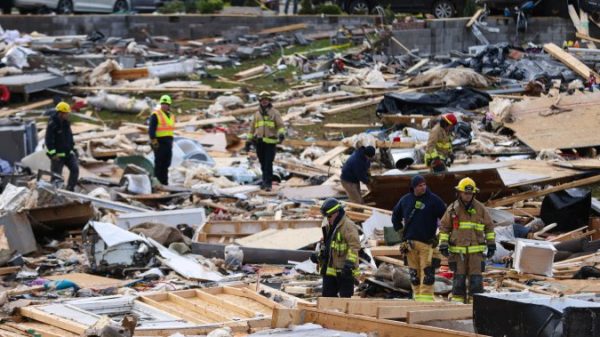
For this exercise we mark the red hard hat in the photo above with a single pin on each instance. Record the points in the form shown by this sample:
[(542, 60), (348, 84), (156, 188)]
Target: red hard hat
[(450, 118)]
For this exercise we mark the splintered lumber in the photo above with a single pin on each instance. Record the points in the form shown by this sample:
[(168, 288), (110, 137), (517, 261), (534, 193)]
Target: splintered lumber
[(367, 208), (586, 37), (404, 47), (350, 126), (89, 281), (282, 318), (517, 285), (32, 106), (474, 18), (289, 238), (283, 29), (390, 260), (572, 235), (129, 74), (534, 194), (420, 316), (336, 151), (258, 70), (417, 66), (353, 106), (570, 61)]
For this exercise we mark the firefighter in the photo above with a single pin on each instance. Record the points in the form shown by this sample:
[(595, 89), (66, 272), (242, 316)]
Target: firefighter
[(161, 131), (438, 152), (266, 131), (338, 254), (355, 171), (416, 215), (60, 144), (466, 230)]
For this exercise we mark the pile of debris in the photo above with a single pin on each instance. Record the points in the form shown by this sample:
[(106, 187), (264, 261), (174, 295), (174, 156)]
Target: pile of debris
[(123, 254)]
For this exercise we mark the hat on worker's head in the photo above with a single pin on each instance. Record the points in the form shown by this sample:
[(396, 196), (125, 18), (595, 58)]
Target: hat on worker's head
[(330, 206), (166, 99), (265, 95), (467, 185), (415, 181), (450, 119), (369, 151), (63, 107)]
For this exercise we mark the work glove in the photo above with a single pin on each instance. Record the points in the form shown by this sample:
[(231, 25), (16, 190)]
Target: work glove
[(248, 145), (444, 249), (491, 249), (154, 143), (281, 137), (437, 165), (347, 270), (314, 258)]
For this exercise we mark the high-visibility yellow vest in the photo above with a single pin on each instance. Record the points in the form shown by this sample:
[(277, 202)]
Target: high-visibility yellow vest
[(166, 125)]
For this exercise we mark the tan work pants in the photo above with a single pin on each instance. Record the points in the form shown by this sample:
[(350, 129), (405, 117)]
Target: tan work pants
[(353, 191), (422, 273)]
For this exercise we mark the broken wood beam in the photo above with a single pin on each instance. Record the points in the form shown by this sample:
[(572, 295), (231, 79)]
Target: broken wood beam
[(282, 318), (474, 18), (129, 74), (245, 74), (420, 316), (202, 88), (403, 119), (331, 154), (286, 103), (283, 29), (32, 106), (385, 251), (534, 194), (334, 143), (353, 106), (401, 312), (570, 61)]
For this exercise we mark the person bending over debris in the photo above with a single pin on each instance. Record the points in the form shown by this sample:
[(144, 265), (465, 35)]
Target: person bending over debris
[(338, 253), (465, 230), (267, 129), (355, 170), (161, 130), (438, 153), (60, 144), (417, 214)]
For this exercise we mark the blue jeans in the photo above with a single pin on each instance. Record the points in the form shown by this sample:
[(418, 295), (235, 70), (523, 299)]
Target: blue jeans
[(287, 5)]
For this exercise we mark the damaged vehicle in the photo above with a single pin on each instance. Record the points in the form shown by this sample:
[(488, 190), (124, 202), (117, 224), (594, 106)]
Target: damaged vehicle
[(86, 6)]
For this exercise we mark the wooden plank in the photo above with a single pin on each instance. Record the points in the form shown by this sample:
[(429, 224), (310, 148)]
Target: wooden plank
[(390, 260), (420, 316), (9, 270), (27, 107), (474, 18), (208, 298), (331, 154), (570, 61), (174, 309), (417, 66), (350, 126), (287, 103), (353, 106), (367, 208), (43, 329), (297, 238), (571, 235), (53, 320), (534, 194), (250, 72), (586, 37), (356, 323), (129, 74), (205, 310), (105, 134), (342, 304), (283, 29), (371, 309), (89, 281), (401, 312), (385, 251)]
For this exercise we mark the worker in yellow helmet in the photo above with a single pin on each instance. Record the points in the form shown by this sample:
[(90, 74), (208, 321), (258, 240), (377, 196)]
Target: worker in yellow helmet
[(161, 130), (60, 145), (266, 130), (466, 232)]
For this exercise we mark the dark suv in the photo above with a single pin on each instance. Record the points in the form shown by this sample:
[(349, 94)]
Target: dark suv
[(439, 8)]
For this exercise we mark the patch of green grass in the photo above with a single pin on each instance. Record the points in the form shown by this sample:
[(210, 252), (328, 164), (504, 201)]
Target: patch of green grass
[(267, 82), (596, 191), (356, 116)]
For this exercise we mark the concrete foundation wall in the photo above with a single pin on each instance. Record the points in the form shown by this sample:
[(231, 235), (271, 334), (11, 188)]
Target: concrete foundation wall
[(173, 26), (443, 36)]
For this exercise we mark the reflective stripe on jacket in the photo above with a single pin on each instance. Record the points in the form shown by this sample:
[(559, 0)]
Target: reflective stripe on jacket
[(166, 124), (344, 246), (267, 127), (467, 231), (439, 144)]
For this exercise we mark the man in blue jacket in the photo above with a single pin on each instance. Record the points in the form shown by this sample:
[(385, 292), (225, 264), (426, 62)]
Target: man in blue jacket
[(355, 171), (417, 214)]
